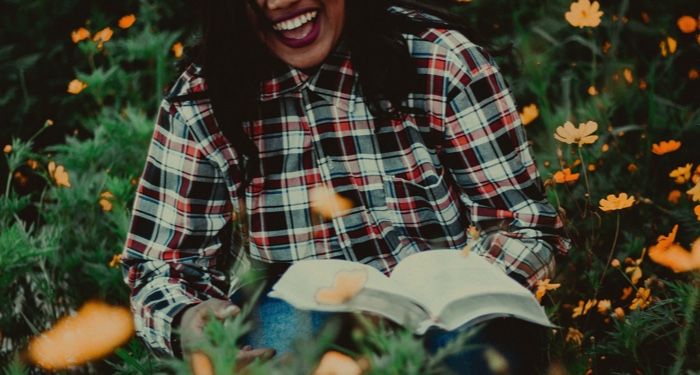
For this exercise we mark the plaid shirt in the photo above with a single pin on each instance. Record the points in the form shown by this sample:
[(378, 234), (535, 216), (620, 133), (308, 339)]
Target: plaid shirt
[(418, 181)]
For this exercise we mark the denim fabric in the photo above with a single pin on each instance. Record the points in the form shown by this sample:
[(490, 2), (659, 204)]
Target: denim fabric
[(276, 324)]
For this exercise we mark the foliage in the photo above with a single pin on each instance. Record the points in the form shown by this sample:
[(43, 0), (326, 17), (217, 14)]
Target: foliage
[(57, 241)]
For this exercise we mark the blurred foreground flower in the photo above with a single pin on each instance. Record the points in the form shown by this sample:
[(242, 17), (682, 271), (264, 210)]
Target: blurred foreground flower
[(580, 135), (345, 286), (583, 13), (127, 21), (664, 147), (58, 174), (681, 175), (76, 86), (336, 363), (79, 35), (672, 255), (613, 202), (529, 114), (328, 203), (565, 175), (93, 332)]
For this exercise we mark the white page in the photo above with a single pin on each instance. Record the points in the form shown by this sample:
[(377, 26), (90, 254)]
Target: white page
[(438, 277)]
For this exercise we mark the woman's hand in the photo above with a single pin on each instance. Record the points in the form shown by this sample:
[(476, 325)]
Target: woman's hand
[(195, 318)]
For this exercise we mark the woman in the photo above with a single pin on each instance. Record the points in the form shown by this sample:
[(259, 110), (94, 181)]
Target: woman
[(390, 107)]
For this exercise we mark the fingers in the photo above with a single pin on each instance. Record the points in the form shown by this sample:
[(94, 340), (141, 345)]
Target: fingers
[(227, 311), (246, 356)]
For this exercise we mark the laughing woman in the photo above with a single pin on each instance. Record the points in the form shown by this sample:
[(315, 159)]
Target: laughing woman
[(392, 107)]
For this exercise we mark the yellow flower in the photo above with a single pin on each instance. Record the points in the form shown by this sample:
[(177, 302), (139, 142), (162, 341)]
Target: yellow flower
[(642, 300), (565, 175), (694, 192), (584, 14), (604, 306), (79, 34), (116, 259), (102, 36), (580, 135), (106, 201), (529, 113), (93, 332), (681, 174), (59, 174), (674, 196), (664, 147), (543, 286), (178, 49), (127, 21), (345, 286), (635, 269), (336, 363), (574, 335), (668, 46), (76, 86), (687, 24), (612, 202)]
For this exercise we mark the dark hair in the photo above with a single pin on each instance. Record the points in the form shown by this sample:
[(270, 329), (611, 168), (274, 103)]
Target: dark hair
[(234, 61)]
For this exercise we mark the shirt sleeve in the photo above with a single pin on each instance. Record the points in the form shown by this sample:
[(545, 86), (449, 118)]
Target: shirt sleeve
[(180, 211), (486, 150)]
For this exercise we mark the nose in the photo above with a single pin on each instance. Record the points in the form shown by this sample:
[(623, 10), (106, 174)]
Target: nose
[(279, 4)]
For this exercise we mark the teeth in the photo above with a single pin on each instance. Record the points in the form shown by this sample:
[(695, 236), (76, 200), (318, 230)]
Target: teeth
[(295, 22)]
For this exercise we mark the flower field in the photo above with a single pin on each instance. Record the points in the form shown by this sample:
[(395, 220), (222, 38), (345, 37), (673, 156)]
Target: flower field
[(609, 93)]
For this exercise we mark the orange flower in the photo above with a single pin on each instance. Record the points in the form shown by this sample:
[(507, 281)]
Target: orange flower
[(694, 192), (696, 210), (687, 24), (327, 203), (612, 202), (681, 175), (59, 174), (672, 255), (543, 286), (668, 46), (604, 306), (574, 335), (580, 135), (627, 72), (642, 300), (642, 84), (592, 91), (583, 308), (336, 363), (79, 34), (529, 113), (693, 74), (606, 47), (674, 196), (93, 332), (178, 50), (565, 175), (626, 293), (345, 286), (7, 149), (116, 260), (631, 168), (583, 13), (635, 269), (103, 36), (619, 313), (33, 164), (615, 263), (76, 86), (664, 147), (127, 21)]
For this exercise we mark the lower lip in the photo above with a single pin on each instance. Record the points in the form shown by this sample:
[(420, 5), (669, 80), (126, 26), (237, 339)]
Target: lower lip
[(305, 41)]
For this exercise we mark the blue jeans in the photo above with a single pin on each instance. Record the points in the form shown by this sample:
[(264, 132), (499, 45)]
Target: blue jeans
[(276, 324)]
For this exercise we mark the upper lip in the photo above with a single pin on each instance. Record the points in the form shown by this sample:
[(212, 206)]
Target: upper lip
[(292, 15)]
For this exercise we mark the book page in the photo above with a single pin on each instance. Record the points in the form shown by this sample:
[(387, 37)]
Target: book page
[(437, 278), (302, 281)]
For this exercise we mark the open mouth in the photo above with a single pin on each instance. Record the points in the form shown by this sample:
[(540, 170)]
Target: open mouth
[(299, 29)]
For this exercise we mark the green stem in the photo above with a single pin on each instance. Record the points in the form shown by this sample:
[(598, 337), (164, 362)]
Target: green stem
[(610, 255), (689, 314)]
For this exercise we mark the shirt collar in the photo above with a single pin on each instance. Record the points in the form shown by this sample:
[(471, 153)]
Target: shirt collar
[(335, 81)]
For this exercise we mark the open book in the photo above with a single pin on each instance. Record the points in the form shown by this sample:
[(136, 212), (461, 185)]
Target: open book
[(442, 288)]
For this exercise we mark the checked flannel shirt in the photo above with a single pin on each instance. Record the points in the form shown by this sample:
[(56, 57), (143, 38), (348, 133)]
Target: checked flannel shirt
[(418, 180)]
